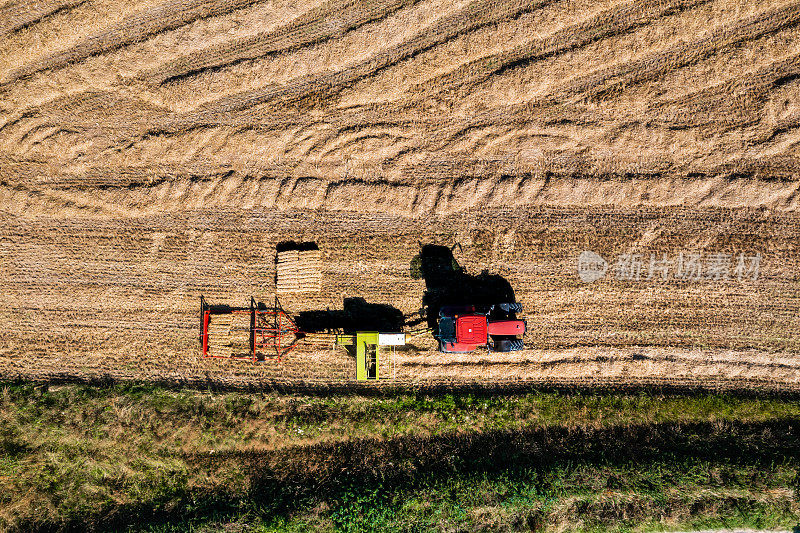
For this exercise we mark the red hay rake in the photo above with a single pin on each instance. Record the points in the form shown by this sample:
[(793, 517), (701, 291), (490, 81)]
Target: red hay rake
[(273, 334)]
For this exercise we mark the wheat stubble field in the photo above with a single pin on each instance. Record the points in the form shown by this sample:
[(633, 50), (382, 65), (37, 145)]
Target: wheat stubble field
[(154, 151)]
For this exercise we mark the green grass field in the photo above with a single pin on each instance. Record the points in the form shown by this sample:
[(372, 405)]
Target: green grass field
[(139, 457)]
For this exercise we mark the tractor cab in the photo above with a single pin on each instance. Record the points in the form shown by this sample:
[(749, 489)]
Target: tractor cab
[(462, 331), (466, 328)]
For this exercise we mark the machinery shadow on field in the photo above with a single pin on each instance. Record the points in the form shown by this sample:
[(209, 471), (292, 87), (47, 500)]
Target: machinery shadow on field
[(285, 246), (447, 283), (356, 315)]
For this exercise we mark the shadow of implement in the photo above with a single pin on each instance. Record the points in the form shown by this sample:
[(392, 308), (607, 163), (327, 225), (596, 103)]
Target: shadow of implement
[(285, 246), (356, 315)]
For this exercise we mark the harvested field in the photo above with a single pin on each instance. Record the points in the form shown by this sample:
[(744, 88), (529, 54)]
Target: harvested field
[(154, 151), (120, 297)]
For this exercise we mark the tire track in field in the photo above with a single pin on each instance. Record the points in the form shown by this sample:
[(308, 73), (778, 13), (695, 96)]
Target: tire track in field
[(135, 28), (740, 102), (593, 85), (82, 115), (629, 353), (329, 21), (607, 81), (477, 14), (782, 138), (130, 194), (652, 65), (15, 16), (605, 24), (730, 103)]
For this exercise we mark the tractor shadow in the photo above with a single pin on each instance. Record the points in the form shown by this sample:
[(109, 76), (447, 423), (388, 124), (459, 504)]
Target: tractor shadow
[(356, 315), (447, 283)]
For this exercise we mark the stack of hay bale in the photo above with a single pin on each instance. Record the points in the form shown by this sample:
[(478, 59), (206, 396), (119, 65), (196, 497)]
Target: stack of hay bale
[(299, 271), (219, 336)]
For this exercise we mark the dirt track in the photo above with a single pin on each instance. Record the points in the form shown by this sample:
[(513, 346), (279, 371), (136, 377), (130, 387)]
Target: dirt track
[(154, 151)]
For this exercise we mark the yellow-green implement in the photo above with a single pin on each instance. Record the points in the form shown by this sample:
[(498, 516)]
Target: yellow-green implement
[(368, 350)]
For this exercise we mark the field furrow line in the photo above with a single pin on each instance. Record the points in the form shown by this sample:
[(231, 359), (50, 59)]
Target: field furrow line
[(441, 194), (652, 65), (114, 375), (313, 27), (608, 81), (15, 16), (603, 25), (478, 14), (139, 27), (731, 103)]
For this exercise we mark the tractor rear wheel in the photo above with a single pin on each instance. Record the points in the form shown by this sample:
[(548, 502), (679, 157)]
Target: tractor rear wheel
[(511, 307), (508, 345)]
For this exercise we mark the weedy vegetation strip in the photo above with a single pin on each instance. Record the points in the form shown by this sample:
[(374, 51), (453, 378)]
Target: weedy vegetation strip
[(78, 456)]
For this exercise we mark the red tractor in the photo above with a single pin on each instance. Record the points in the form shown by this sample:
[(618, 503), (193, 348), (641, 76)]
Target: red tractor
[(466, 328)]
